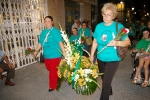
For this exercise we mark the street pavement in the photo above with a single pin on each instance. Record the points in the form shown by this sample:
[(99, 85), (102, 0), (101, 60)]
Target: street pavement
[(32, 84)]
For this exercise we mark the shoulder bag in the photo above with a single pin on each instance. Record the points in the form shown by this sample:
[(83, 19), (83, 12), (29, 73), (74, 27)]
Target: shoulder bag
[(121, 50), (45, 40)]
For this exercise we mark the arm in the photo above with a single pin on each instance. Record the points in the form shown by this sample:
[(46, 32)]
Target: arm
[(62, 48), (126, 42), (37, 49), (93, 49), (7, 62)]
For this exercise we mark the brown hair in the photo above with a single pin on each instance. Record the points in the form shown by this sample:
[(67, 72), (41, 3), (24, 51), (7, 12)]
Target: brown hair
[(50, 17)]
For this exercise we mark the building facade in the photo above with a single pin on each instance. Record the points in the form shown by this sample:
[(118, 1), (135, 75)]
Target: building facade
[(21, 22)]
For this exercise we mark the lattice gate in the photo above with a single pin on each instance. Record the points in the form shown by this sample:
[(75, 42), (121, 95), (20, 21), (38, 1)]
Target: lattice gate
[(21, 21)]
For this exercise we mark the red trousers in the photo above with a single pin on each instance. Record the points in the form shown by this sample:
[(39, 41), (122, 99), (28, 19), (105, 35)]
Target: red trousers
[(51, 65)]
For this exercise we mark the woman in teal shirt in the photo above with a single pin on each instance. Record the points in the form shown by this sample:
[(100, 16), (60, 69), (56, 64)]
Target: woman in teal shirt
[(74, 37), (108, 59), (85, 33), (51, 42)]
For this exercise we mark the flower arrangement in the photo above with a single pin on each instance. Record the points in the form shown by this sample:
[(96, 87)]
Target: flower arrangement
[(29, 50), (119, 36), (76, 69)]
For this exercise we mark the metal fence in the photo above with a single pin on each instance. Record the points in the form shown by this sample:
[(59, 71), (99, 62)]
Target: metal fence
[(21, 21)]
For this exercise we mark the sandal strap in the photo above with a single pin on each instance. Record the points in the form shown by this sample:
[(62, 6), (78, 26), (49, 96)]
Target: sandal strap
[(145, 82)]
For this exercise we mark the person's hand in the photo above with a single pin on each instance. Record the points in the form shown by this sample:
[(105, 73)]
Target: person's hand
[(11, 66), (35, 54), (112, 43), (91, 58)]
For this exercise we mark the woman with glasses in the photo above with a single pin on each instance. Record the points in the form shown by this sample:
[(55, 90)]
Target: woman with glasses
[(108, 60)]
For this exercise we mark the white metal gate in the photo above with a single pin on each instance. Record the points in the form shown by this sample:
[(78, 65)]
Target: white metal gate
[(21, 21)]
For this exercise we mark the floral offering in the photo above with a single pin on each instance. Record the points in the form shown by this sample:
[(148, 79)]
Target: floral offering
[(29, 50), (119, 36), (76, 69)]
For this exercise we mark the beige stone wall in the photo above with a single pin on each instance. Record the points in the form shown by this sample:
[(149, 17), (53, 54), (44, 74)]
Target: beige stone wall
[(87, 11), (56, 9)]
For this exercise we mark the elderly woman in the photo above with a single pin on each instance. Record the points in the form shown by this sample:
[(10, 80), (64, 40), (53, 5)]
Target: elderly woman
[(51, 42), (143, 47), (108, 60)]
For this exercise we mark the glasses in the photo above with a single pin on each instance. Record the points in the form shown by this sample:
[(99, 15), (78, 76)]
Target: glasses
[(106, 15)]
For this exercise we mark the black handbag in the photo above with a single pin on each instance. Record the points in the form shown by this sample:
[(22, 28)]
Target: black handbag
[(41, 57), (121, 50)]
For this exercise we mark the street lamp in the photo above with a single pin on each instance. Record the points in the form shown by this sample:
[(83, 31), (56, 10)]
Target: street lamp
[(121, 8)]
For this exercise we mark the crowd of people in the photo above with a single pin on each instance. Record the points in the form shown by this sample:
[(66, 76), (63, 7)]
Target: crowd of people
[(139, 35), (50, 41)]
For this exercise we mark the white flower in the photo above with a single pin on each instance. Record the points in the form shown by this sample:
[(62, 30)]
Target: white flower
[(88, 80), (76, 77), (87, 71), (79, 41)]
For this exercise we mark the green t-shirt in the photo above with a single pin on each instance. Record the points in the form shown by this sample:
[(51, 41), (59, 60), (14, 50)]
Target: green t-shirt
[(103, 35), (143, 43), (51, 46)]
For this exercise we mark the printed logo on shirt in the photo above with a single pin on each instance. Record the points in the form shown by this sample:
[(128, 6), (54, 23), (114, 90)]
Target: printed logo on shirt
[(104, 37), (105, 34)]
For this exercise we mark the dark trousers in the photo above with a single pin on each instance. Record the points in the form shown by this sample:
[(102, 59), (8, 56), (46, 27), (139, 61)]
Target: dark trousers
[(109, 70), (131, 39), (10, 71)]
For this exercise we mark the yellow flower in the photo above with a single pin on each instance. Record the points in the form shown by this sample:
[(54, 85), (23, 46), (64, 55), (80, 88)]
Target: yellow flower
[(81, 82), (84, 83), (69, 73), (62, 62), (73, 64), (94, 73), (73, 59), (65, 72), (76, 55), (81, 72), (59, 74)]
